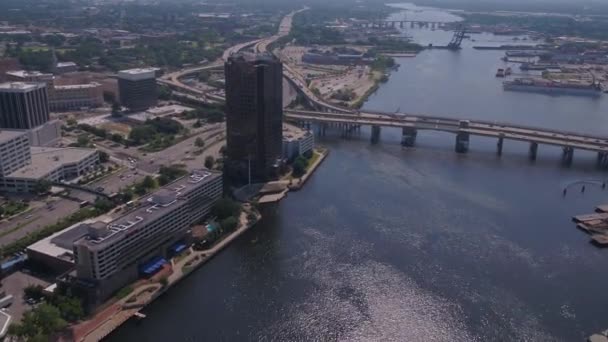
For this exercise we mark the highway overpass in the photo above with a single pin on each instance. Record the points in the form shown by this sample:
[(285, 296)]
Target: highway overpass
[(463, 129)]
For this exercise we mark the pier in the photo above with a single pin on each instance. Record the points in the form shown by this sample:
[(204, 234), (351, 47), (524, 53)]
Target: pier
[(463, 130), (595, 224)]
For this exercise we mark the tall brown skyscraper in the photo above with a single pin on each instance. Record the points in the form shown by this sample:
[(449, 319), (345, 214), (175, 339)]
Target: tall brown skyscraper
[(254, 115)]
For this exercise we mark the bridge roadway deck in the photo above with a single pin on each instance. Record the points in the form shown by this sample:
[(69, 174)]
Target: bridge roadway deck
[(480, 128)]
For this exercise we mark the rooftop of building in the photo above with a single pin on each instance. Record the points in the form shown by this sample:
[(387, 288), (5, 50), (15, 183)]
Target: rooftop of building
[(253, 57), (160, 111), (150, 208), (59, 245), (292, 133), (66, 64), (20, 86), (78, 86), (47, 159), (26, 73), (9, 134), (138, 71)]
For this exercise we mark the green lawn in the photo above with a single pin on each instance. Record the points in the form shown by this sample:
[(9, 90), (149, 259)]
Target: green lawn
[(315, 156)]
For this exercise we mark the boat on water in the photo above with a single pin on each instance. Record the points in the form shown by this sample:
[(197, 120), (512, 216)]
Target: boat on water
[(500, 72), (551, 87)]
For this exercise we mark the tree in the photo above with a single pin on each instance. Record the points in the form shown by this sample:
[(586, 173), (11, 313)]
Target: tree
[(172, 172), (299, 166), (148, 182), (125, 195), (198, 124), (199, 142), (209, 161), (70, 308), (117, 138), (103, 205), (164, 281), (163, 180), (140, 189), (104, 157), (225, 208), (71, 122), (83, 140), (116, 110), (142, 134), (229, 224), (39, 324), (204, 75), (164, 93), (42, 186), (35, 292)]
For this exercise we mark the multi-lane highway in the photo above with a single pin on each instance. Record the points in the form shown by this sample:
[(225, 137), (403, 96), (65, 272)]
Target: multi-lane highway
[(173, 80), (473, 127)]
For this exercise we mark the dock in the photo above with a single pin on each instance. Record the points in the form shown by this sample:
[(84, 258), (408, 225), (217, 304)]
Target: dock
[(139, 315), (601, 337), (595, 224)]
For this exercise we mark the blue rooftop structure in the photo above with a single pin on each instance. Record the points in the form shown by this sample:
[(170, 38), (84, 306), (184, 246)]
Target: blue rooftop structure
[(152, 266)]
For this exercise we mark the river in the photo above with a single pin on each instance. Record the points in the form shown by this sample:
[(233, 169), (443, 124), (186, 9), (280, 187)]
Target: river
[(421, 244)]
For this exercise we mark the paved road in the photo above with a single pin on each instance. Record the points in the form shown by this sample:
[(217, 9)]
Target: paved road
[(35, 220), (261, 45)]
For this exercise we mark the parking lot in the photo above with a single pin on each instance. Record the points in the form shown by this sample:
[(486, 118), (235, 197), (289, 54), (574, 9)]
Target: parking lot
[(14, 285)]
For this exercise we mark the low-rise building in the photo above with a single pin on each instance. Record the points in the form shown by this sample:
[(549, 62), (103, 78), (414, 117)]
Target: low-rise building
[(23, 165), (46, 134), (8, 64), (63, 97), (157, 112), (296, 141), (53, 164), (14, 151), (76, 96), (65, 67)]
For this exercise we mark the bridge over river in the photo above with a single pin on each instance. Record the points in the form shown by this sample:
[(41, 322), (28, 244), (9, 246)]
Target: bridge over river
[(463, 129)]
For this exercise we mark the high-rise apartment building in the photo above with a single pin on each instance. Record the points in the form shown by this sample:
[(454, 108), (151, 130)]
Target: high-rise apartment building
[(23, 105), (137, 88), (254, 115)]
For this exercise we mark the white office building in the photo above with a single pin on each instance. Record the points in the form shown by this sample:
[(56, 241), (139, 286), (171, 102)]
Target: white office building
[(296, 141), (111, 255), (22, 165)]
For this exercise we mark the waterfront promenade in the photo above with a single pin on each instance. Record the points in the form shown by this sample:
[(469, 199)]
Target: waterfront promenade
[(144, 293)]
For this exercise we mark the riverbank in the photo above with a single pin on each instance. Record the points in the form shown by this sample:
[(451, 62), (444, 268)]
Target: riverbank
[(145, 292), (317, 158)]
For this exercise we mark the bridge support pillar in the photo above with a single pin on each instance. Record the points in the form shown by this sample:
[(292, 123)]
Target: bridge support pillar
[(401, 24), (408, 138), (602, 160), (533, 150), (567, 155), (375, 134), (462, 142), (499, 146)]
